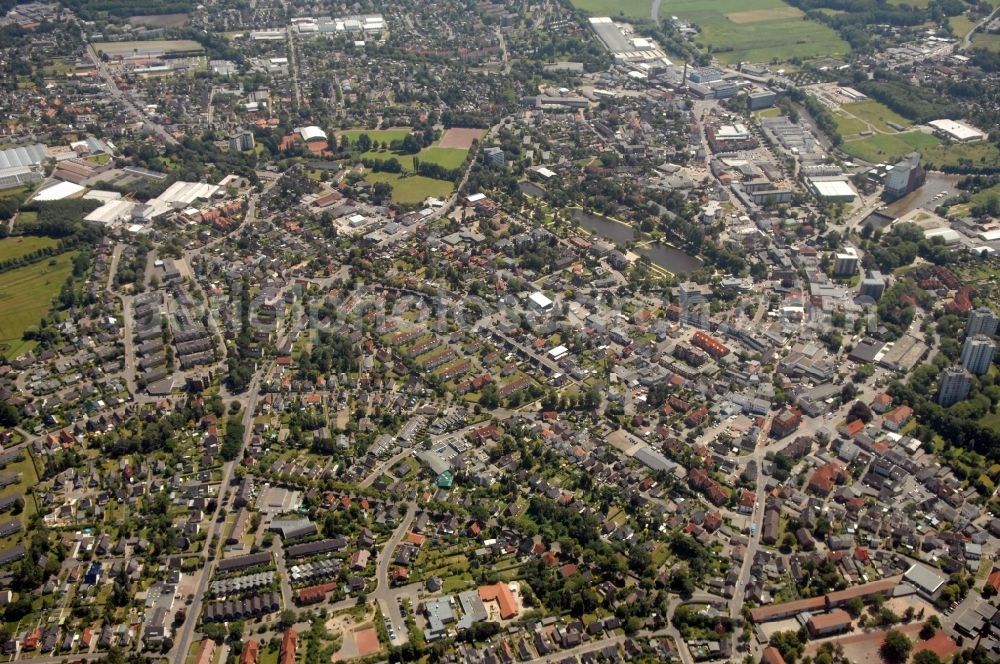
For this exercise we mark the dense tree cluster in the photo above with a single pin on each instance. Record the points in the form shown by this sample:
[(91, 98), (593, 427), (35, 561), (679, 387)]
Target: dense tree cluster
[(919, 104), (232, 440), (143, 437), (951, 423), (240, 363), (896, 309), (62, 219), (332, 353), (851, 18), (94, 9)]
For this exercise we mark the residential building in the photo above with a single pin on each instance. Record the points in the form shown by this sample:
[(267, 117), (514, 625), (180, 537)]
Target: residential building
[(785, 422), (977, 353), (873, 285), (690, 293), (898, 418), (242, 141), (846, 262), (982, 321), (954, 385), (289, 643), (494, 156)]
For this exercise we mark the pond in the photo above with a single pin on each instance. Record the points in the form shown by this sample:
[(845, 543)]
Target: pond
[(530, 189), (669, 258)]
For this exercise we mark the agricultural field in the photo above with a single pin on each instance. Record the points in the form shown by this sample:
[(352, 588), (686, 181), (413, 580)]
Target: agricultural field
[(638, 8), (889, 147), (755, 30), (26, 296), (15, 247), (146, 47), (411, 189)]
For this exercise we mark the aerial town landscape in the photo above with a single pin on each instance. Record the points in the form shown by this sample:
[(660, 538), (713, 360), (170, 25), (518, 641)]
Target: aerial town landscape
[(494, 331)]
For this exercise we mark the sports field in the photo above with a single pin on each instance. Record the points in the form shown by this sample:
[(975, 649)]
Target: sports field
[(639, 8), (15, 247), (146, 47), (379, 135), (755, 30), (412, 189), (449, 158), (460, 137), (889, 147), (25, 297), (160, 20)]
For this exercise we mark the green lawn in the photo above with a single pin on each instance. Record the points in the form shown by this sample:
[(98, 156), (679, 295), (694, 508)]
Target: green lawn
[(455, 583), (983, 196), (755, 30), (15, 247), (29, 478), (961, 25), (27, 217), (20, 193), (876, 114), (991, 420), (848, 126), (268, 655), (983, 153), (380, 135), (959, 211), (989, 41), (25, 297), (412, 188), (449, 158), (889, 147), (772, 112), (639, 8), (57, 67)]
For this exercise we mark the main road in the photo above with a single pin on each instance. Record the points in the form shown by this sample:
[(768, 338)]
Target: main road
[(204, 575), (967, 40), (384, 595), (122, 98), (248, 400)]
